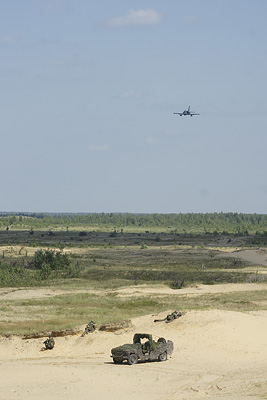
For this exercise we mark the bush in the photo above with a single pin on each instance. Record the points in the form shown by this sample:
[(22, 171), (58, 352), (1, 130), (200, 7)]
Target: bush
[(50, 260), (17, 275)]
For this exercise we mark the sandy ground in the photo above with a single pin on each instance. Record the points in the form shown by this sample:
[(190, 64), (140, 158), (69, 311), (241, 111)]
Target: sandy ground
[(217, 355), (131, 291), (256, 257)]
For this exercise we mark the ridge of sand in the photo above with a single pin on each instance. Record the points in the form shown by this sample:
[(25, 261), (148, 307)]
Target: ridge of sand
[(217, 355)]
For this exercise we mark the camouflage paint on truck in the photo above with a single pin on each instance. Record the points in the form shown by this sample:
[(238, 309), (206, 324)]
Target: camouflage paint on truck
[(148, 351)]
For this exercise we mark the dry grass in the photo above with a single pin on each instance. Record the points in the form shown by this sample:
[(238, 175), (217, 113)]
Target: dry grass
[(108, 263), (73, 310)]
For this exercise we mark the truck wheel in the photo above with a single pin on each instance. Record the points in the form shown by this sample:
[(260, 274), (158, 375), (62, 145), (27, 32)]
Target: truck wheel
[(132, 359), (117, 360), (163, 356)]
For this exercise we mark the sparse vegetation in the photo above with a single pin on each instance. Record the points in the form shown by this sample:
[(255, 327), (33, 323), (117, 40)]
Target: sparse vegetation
[(72, 310), (109, 258)]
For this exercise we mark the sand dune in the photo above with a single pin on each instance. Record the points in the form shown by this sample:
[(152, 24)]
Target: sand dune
[(217, 355)]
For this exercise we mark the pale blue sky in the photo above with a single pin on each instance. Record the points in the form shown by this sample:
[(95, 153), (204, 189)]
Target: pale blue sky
[(88, 91)]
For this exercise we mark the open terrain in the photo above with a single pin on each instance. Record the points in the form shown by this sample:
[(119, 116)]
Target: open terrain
[(220, 347), (219, 354)]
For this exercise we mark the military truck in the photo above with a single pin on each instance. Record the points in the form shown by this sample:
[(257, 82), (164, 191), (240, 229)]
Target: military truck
[(149, 350)]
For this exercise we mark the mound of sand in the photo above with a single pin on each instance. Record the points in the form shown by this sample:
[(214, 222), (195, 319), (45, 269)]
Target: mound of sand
[(217, 354)]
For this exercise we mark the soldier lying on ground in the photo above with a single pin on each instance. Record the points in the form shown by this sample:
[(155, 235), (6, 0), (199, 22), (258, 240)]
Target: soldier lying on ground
[(89, 328), (171, 317)]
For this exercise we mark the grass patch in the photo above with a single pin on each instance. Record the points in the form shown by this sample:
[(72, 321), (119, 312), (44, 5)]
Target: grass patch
[(100, 261), (70, 311)]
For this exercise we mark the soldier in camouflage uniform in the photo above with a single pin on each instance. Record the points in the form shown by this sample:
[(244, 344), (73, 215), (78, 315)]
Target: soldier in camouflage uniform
[(171, 317), (49, 343), (89, 328)]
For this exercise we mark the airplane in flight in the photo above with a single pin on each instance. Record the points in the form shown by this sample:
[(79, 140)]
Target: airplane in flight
[(186, 112)]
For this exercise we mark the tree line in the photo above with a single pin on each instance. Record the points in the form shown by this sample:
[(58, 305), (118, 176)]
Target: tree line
[(238, 223)]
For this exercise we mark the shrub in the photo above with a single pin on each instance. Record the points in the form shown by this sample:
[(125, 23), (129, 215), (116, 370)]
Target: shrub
[(50, 260), (143, 246)]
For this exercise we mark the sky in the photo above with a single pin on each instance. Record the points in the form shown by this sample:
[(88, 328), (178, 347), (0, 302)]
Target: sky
[(87, 96)]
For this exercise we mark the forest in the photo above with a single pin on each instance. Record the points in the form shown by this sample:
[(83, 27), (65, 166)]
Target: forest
[(238, 223)]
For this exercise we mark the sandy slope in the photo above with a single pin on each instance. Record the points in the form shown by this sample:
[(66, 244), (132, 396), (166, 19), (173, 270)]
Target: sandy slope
[(218, 355), (257, 257)]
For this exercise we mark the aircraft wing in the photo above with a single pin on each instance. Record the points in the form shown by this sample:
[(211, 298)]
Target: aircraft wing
[(178, 113)]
